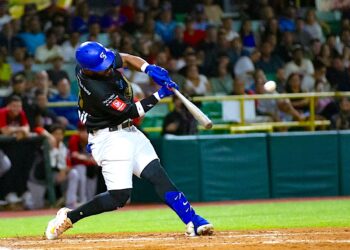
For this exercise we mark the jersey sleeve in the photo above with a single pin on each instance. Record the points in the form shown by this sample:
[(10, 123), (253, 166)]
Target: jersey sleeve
[(117, 105)]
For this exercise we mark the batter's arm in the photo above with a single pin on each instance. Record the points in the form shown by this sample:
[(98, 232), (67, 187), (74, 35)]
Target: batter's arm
[(133, 62)]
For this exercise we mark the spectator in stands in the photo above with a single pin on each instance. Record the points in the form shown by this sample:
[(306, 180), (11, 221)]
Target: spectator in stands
[(318, 81), (95, 31), (271, 28), (201, 20), (165, 26), (174, 74), (4, 16), (222, 83), (287, 20), (338, 75), (244, 67), (196, 84), (43, 116), (247, 35), (210, 48), (84, 164), (34, 37), (81, 17), (312, 26), (325, 55), (127, 9), (9, 39), (18, 82), (28, 71), (301, 35), (284, 48), (56, 73), (299, 64), (5, 75), (192, 37), (69, 47), (13, 120), (275, 109), (65, 178), (134, 26), (17, 62), (236, 50), (113, 20), (64, 95), (268, 62), (177, 45), (190, 59), (314, 49), (344, 41), (42, 82), (213, 12), (227, 26), (293, 85), (239, 88), (46, 52), (341, 120), (179, 121)]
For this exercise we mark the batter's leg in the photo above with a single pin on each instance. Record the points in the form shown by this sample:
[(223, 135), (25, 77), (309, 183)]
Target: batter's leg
[(176, 200), (103, 202)]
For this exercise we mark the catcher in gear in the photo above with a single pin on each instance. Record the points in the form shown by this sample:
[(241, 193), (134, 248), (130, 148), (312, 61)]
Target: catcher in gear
[(106, 107)]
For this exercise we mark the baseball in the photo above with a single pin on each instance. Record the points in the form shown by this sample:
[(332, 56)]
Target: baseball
[(270, 86)]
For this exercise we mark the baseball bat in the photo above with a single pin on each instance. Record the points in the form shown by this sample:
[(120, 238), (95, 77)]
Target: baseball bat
[(196, 112)]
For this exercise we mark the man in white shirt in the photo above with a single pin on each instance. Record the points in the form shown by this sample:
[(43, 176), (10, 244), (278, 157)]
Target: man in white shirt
[(245, 68), (299, 63), (45, 53), (69, 47)]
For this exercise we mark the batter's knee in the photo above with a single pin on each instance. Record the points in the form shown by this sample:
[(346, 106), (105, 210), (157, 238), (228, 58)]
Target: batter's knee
[(120, 197)]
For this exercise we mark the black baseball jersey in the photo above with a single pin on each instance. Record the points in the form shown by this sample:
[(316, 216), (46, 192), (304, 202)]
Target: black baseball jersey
[(105, 101)]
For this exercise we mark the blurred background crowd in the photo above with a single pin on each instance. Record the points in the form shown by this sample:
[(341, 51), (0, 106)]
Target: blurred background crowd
[(209, 48)]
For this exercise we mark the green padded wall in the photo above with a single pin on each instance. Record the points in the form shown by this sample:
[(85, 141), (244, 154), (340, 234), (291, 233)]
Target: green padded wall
[(304, 164), (234, 167), (344, 162), (181, 159)]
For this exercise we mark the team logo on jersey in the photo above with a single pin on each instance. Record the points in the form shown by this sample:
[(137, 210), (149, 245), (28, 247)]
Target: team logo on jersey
[(118, 104)]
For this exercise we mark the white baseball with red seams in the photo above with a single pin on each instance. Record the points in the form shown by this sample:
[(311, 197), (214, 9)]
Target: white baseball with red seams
[(121, 155)]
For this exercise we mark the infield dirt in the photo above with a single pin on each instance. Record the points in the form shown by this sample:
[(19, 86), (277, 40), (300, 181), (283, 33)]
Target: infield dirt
[(330, 238)]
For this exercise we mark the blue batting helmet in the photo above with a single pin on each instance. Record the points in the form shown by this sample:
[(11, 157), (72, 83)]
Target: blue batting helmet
[(93, 56)]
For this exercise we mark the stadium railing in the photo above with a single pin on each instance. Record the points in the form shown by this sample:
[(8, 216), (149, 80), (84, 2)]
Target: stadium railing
[(243, 125)]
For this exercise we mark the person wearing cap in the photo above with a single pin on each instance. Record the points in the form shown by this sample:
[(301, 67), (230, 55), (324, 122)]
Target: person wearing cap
[(165, 26), (299, 63), (107, 107), (18, 83)]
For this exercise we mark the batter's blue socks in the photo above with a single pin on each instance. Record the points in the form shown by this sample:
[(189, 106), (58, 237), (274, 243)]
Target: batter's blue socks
[(178, 202)]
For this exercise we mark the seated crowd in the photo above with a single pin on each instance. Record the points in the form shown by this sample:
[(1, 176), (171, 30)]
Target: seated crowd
[(201, 46)]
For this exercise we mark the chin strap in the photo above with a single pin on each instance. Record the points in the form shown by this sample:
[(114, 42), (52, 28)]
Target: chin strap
[(181, 206)]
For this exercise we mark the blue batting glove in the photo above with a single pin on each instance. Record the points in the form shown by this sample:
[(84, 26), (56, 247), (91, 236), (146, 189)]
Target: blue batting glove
[(172, 84), (158, 74), (166, 90)]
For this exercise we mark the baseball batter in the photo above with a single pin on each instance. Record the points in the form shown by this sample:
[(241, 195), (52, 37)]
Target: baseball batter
[(106, 107)]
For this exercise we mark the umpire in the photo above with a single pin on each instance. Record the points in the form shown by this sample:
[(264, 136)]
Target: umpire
[(107, 108)]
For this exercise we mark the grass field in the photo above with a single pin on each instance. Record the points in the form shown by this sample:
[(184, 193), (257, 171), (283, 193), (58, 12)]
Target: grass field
[(296, 214)]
